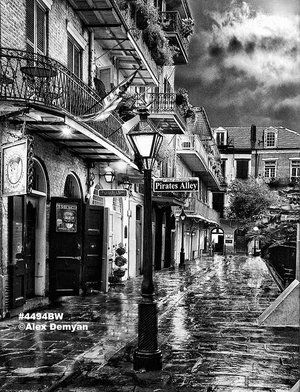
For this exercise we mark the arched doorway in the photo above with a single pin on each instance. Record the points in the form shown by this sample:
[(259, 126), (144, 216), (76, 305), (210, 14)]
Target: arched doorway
[(217, 238), (240, 241)]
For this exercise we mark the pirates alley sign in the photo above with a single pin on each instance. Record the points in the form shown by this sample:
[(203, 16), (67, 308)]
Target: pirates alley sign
[(167, 185)]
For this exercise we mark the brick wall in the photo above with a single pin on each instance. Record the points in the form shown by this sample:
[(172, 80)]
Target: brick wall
[(12, 22), (283, 162)]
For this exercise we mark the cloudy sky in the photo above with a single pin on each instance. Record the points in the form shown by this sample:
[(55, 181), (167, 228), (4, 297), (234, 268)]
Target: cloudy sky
[(244, 63)]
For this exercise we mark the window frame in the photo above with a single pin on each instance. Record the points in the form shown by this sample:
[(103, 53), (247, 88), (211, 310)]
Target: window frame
[(236, 168), (266, 140), (34, 45), (268, 162), (75, 44), (292, 161), (224, 137)]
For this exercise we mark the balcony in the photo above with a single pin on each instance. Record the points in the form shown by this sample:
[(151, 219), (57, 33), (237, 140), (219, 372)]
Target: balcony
[(192, 152), (173, 26), (115, 30), (164, 113), (54, 96), (197, 209)]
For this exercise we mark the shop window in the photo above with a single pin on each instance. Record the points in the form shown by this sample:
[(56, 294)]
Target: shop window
[(242, 169), (36, 27), (270, 169), (295, 169), (74, 57)]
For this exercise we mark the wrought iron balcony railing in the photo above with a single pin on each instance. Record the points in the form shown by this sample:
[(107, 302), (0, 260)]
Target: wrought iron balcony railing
[(197, 207), (32, 78), (164, 103), (172, 22)]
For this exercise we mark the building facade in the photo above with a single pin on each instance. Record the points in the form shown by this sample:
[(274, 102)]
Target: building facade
[(64, 206), (269, 154)]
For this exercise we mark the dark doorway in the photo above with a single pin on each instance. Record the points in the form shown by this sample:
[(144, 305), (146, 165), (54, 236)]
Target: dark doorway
[(93, 246), (65, 267), (30, 245), (240, 241), (217, 238)]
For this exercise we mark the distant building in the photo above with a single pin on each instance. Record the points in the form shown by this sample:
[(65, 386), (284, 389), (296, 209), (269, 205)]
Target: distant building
[(271, 154)]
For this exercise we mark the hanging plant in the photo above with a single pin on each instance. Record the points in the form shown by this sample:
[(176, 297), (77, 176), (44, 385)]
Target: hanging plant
[(187, 27), (158, 44)]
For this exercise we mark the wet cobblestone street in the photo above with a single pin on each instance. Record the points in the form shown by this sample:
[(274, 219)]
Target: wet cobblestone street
[(208, 334)]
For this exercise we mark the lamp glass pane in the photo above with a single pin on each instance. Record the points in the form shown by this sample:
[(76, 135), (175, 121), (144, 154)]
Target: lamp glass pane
[(143, 144)]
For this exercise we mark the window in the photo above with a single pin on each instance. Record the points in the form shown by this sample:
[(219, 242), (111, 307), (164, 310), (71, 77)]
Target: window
[(220, 138), (270, 169), (36, 27), (223, 167), (74, 57), (270, 139), (295, 169), (242, 168)]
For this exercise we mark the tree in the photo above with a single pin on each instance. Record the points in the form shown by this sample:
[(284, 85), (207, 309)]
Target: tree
[(249, 200), (249, 204)]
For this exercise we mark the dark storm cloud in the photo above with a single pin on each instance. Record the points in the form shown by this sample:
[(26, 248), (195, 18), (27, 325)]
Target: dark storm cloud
[(244, 66), (234, 45)]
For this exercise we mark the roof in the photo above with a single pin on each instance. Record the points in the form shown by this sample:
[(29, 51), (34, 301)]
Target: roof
[(286, 138)]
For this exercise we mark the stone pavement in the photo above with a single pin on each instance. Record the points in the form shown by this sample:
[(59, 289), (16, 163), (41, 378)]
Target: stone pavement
[(35, 360), (208, 334)]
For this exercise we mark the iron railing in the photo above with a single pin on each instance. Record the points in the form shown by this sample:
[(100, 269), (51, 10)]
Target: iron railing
[(197, 207), (161, 103), (172, 22), (32, 78)]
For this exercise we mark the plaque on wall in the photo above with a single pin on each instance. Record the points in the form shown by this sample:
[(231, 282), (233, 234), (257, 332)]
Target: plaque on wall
[(66, 217), (14, 168)]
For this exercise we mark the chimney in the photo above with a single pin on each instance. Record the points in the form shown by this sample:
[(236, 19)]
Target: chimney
[(253, 136)]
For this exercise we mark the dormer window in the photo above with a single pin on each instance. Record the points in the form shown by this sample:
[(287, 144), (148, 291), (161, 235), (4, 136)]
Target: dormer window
[(221, 138), (270, 138)]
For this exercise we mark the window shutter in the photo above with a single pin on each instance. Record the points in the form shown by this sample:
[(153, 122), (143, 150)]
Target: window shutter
[(77, 62), (30, 23), (70, 55), (40, 29)]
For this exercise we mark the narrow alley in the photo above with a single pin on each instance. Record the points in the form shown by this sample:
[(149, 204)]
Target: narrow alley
[(207, 329)]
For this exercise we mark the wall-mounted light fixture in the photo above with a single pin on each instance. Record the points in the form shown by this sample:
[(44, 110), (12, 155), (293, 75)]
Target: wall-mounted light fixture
[(126, 183), (109, 174)]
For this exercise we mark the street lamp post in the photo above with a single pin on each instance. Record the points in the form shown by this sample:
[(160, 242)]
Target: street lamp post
[(145, 141), (182, 254)]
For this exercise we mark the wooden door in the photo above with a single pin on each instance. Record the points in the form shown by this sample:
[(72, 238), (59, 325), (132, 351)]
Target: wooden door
[(240, 241), (65, 269), (17, 264), (93, 246), (30, 245)]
